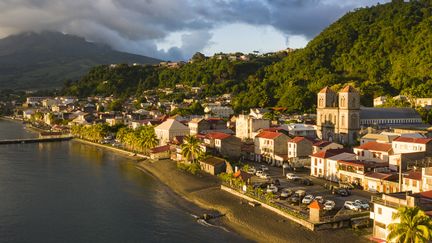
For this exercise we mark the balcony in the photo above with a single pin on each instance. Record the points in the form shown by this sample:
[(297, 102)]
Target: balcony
[(380, 201)]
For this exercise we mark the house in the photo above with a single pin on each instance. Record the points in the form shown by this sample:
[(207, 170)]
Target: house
[(424, 102), (380, 100), (202, 126), (386, 205), (258, 113), (161, 152), (379, 138), (219, 111), (247, 126), (27, 114), (411, 145), (374, 151), (212, 165), (412, 181), (244, 176), (427, 179), (170, 129), (271, 147), (300, 129), (299, 147), (381, 182), (34, 101), (353, 171), (176, 150), (223, 144), (324, 164), (325, 145)]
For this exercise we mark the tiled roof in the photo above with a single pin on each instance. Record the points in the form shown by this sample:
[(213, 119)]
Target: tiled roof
[(160, 149), (375, 146), (321, 144), (299, 139), (348, 89), (388, 113), (268, 135), (414, 175), (328, 153), (413, 140), (326, 90), (217, 135), (426, 194), (377, 175)]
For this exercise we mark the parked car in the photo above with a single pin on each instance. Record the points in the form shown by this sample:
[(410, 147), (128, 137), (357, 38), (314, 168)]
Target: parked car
[(286, 192), (264, 168), (307, 182), (342, 192), (261, 185), (251, 171), (329, 205), (276, 182), (295, 198), (320, 199), (346, 186), (352, 206), (308, 199), (292, 176), (300, 193), (272, 188), (363, 204)]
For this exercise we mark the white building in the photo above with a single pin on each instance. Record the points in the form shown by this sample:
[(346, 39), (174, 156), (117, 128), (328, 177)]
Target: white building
[(379, 101), (374, 151), (412, 145), (300, 129), (324, 163), (424, 102), (247, 126), (219, 111), (169, 129)]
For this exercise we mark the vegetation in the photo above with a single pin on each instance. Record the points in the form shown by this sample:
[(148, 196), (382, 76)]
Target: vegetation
[(94, 133), (192, 168), (141, 139), (191, 149), (414, 226)]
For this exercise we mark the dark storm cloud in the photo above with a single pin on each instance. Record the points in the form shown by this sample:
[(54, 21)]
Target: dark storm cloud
[(137, 25)]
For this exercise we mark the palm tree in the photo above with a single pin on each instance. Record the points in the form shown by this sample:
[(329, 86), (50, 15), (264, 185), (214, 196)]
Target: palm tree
[(414, 226), (190, 148)]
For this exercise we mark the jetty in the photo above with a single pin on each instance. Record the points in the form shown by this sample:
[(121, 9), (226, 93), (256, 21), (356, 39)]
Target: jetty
[(35, 140)]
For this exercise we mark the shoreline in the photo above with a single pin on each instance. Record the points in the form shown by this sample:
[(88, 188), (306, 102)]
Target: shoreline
[(256, 224)]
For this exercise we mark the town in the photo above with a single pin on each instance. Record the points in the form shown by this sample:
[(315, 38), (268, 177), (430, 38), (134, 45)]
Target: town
[(344, 166)]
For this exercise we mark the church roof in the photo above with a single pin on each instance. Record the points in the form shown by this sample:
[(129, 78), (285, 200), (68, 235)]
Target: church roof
[(348, 89), (388, 113), (326, 89)]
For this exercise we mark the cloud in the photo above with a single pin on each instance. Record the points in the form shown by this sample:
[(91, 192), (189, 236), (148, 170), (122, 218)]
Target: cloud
[(137, 25)]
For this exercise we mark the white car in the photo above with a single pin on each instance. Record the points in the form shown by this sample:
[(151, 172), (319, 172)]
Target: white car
[(264, 176), (308, 199), (329, 205), (363, 204), (259, 173), (286, 192), (352, 206), (264, 168), (291, 176), (320, 199), (251, 171), (272, 188)]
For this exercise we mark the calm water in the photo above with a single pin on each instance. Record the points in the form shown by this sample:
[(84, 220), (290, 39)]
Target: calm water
[(69, 192)]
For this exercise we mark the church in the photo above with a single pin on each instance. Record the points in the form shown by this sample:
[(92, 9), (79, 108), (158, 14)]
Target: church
[(340, 116)]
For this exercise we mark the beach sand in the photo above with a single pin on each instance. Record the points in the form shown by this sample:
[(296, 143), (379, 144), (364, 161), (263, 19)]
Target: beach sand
[(254, 223)]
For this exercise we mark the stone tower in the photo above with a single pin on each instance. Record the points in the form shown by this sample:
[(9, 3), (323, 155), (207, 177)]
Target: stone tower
[(338, 115), (349, 115), (327, 114)]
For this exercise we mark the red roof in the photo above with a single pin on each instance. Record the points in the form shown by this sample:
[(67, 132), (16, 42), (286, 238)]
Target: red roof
[(218, 135), (427, 194), (321, 144), (375, 146), (329, 153), (377, 175), (299, 139), (272, 129), (414, 175), (268, 135), (413, 140), (160, 149), (315, 204)]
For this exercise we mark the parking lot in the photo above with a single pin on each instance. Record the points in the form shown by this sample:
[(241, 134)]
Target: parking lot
[(316, 189)]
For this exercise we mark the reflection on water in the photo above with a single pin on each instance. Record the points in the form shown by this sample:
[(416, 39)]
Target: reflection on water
[(10, 130), (70, 192)]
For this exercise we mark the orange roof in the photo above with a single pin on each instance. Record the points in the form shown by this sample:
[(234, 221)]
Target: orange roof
[(413, 140), (427, 194), (268, 135), (326, 89), (218, 135), (315, 204), (375, 146), (299, 139), (160, 149), (348, 89)]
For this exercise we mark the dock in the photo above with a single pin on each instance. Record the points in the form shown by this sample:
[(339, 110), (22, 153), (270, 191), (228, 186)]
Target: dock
[(35, 140)]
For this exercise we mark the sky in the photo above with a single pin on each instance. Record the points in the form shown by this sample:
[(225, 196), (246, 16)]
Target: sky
[(176, 29)]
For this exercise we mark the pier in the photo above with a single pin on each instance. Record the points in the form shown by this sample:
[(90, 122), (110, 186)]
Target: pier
[(35, 140)]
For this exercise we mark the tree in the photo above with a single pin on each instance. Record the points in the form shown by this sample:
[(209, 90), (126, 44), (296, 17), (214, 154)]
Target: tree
[(191, 149), (414, 226)]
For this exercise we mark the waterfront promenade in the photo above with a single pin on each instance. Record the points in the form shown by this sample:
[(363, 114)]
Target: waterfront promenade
[(36, 140)]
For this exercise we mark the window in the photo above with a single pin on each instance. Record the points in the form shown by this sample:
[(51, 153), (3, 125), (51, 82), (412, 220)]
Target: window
[(315, 162), (414, 183), (379, 211)]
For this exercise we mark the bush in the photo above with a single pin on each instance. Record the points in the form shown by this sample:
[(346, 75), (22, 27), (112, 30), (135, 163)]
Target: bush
[(192, 168)]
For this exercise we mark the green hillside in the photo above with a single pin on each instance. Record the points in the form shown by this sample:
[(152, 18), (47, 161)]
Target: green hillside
[(47, 59)]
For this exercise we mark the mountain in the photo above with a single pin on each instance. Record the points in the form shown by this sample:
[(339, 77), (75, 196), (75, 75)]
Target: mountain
[(47, 59), (381, 50)]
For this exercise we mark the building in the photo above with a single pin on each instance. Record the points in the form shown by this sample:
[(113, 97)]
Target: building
[(383, 137), (379, 101), (412, 145), (412, 181), (374, 151), (386, 205), (202, 126), (33, 101), (381, 182), (213, 165), (353, 171), (258, 113), (161, 152), (300, 129), (424, 102), (169, 129), (219, 111), (338, 115), (325, 145), (271, 147), (223, 144), (300, 147), (247, 126), (324, 164)]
